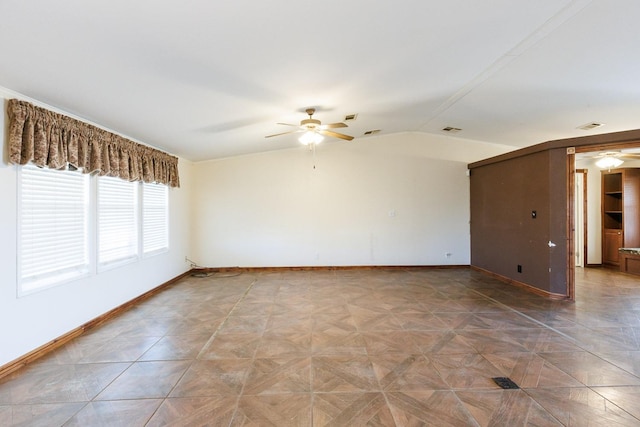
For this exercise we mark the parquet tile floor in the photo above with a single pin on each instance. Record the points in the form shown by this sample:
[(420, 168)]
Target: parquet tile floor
[(396, 347)]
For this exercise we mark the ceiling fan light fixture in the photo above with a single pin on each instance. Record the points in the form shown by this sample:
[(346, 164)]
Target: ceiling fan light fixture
[(311, 137), (608, 162)]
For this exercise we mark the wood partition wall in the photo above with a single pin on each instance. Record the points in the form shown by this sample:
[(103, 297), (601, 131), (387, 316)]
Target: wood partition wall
[(522, 218)]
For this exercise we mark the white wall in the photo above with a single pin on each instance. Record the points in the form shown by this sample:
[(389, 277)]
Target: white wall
[(388, 200), (33, 320)]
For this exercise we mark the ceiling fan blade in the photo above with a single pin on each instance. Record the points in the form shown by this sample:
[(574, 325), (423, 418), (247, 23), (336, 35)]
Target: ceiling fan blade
[(336, 135), (333, 126), (287, 124), (283, 133)]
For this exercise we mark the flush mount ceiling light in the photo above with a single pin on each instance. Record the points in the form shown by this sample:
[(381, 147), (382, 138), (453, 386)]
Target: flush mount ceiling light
[(608, 162), (311, 137)]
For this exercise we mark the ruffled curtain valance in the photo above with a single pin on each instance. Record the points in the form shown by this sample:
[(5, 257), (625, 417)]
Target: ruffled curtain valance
[(49, 139)]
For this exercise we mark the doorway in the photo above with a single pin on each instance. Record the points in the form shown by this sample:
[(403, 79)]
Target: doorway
[(578, 241)]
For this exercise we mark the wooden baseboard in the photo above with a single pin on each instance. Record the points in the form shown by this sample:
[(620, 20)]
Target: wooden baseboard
[(74, 333), (525, 286), (326, 268)]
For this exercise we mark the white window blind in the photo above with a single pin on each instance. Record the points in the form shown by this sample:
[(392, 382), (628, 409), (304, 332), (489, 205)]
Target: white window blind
[(117, 220), (155, 217), (52, 243)]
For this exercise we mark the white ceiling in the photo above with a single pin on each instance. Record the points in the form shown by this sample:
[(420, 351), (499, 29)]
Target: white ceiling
[(209, 79)]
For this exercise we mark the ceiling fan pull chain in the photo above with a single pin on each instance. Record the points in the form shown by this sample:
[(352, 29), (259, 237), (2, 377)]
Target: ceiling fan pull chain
[(313, 147)]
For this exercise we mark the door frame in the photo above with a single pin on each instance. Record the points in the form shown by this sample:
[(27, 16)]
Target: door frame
[(571, 172)]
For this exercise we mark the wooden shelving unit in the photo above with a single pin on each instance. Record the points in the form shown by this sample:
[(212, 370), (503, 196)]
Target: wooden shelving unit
[(620, 212)]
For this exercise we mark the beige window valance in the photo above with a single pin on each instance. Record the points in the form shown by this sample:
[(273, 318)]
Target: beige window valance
[(49, 139)]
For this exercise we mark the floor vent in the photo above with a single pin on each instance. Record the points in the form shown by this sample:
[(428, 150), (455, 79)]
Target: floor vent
[(504, 382)]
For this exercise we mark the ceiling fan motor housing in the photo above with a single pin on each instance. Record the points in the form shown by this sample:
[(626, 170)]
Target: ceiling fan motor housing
[(310, 123)]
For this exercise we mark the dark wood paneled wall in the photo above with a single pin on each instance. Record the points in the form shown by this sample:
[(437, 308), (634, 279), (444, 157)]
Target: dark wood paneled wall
[(504, 232), (506, 189)]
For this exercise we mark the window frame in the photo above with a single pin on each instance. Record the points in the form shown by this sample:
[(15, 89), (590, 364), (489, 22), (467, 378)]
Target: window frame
[(54, 278), (167, 221), (132, 256), (93, 266)]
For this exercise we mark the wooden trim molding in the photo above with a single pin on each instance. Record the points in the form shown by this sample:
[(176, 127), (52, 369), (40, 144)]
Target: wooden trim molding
[(74, 333), (325, 268), (570, 224), (526, 287)]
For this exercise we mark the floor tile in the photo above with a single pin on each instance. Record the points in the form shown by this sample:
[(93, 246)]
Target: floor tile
[(626, 397), (39, 415), (227, 346), (244, 325), (282, 344), (351, 409), (343, 374), (529, 370), (65, 383), (390, 342), (277, 410), (493, 341), (626, 360), (465, 370), (397, 371), (383, 347), (213, 377), (176, 347), (279, 375), (115, 413), (581, 407), (214, 411), (505, 408), (429, 408), (590, 370), (145, 380), (441, 342), (335, 342)]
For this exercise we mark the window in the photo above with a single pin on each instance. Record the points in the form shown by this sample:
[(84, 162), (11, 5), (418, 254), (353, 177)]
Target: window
[(117, 220), (155, 218), (53, 227), (71, 224)]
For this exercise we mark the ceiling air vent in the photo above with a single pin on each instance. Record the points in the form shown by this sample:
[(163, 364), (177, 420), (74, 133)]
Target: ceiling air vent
[(349, 117), (371, 132), (590, 126), (451, 129)]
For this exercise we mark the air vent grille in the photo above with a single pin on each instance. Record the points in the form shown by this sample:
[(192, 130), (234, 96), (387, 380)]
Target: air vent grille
[(451, 129), (350, 117), (371, 132), (590, 126)]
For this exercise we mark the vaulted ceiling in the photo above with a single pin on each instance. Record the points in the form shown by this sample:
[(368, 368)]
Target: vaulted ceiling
[(209, 79)]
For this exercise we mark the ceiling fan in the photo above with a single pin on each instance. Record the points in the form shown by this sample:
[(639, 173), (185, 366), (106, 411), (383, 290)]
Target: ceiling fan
[(613, 159), (314, 130)]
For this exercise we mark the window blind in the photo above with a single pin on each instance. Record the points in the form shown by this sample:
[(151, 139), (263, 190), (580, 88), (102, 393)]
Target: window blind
[(117, 220), (52, 244), (155, 217)]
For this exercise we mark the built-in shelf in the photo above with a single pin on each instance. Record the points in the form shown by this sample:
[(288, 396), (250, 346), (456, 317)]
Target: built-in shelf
[(620, 212)]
